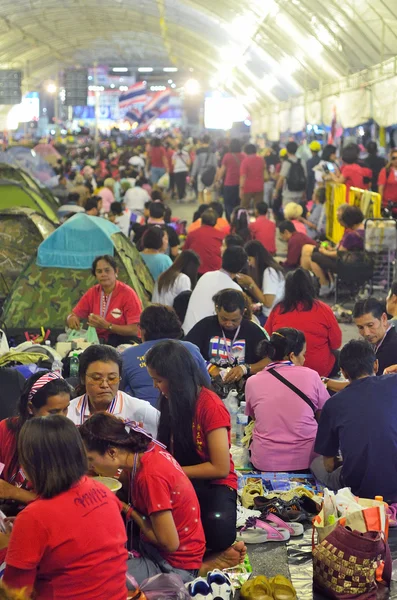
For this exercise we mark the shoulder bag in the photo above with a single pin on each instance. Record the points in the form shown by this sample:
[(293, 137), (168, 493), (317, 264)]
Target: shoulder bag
[(292, 387)]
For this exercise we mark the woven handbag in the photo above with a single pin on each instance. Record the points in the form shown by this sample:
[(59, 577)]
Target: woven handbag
[(346, 563)]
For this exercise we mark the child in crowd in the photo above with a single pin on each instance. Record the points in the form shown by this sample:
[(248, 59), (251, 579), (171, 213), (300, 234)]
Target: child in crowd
[(162, 500), (70, 542), (44, 394), (195, 426)]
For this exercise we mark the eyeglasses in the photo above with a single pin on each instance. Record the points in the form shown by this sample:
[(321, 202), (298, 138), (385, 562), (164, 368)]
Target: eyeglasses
[(99, 379), (394, 157)]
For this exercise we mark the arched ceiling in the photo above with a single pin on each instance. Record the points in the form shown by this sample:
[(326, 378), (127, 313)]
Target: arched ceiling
[(261, 50)]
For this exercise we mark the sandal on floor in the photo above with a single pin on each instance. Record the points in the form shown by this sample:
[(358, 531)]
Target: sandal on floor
[(257, 588), (251, 490), (282, 588), (285, 511), (259, 532), (293, 528)]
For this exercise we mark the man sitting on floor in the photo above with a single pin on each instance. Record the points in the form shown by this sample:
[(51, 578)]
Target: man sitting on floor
[(361, 422), (296, 241)]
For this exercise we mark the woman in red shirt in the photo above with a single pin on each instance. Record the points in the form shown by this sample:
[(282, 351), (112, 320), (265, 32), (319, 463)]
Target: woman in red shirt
[(352, 174), (300, 310), (158, 160), (230, 173), (112, 307), (387, 182), (252, 177), (162, 500), (60, 543), (44, 394), (195, 425)]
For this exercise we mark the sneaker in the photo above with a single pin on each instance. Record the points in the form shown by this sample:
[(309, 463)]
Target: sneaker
[(325, 290), (200, 589), (220, 585), (243, 514)]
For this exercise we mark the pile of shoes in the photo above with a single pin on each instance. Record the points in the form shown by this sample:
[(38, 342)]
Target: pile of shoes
[(217, 586), (262, 588)]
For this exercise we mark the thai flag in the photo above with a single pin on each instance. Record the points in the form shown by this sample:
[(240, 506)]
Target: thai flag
[(133, 114), (136, 94), (157, 103)]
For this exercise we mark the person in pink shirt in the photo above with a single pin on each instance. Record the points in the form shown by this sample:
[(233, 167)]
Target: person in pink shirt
[(292, 212), (252, 177), (107, 195), (285, 400)]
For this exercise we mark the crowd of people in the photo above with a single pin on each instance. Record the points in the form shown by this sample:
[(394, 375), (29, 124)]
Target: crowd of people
[(226, 314)]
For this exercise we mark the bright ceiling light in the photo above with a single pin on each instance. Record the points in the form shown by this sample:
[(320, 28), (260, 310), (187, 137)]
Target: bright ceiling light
[(269, 81), (51, 88), (120, 69), (145, 69), (289, 65), (170, 69), (173, 85), (170, 81), (192, 87)]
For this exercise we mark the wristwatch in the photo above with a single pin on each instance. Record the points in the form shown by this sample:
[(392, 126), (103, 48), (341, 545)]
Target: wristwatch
[(110, 326)]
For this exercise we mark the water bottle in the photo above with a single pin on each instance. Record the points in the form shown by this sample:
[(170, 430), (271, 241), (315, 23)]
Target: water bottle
[(57, 367), (47, 343), (241, 423), (231, 404), (74, 365)]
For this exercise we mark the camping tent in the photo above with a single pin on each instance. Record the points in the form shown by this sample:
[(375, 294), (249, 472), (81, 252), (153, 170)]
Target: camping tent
[(21, 232), (26, 158), (24, 178), (15, 194), (45, 295)]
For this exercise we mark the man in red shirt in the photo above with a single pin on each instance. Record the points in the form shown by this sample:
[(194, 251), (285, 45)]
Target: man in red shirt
[(387, 182), (296, 241), (263, 229), (252, 177), (207, 242)]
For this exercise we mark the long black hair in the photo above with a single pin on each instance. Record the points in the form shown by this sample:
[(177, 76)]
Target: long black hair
[(103, 431), (264, 260), (172, 361), (38, 400), (240, 223), (299, 292), (282, 343), (187, 262)]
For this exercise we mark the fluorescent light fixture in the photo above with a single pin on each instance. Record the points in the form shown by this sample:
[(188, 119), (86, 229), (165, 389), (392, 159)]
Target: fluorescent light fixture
[(145, 69), (120, 69), (170, 70)]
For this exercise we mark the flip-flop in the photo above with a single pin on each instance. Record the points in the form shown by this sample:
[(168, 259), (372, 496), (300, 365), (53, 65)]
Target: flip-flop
[(257, 588), (282, 588), (259, 532), (294, 529)]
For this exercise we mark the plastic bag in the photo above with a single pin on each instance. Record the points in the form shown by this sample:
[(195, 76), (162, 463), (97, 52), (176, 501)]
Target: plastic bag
[(74, 334), (92, 336), (164, 181), (165, 586)]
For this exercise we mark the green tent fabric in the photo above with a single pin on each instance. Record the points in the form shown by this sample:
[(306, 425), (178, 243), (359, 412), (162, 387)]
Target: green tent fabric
[(44, 296), (14, 194), (21, 232), (10, 173)]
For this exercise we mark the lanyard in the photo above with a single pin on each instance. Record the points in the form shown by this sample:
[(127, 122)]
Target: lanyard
[(230, 352), (377, 346), (104, 306), (278, 363), (110, 410)]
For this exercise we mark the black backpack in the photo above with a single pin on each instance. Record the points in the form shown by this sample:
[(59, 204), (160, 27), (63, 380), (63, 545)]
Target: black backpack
[(208, 175), (296, 180)]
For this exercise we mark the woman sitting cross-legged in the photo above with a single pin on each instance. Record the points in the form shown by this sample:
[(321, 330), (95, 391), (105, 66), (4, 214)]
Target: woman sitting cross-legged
[(285, 399), (195, 426), (70, 542), (44, 394), (100, 372), (162, 499)]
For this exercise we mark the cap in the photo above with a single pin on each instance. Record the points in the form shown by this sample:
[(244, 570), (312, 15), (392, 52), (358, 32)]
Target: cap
[(315, 146), (283, 152)]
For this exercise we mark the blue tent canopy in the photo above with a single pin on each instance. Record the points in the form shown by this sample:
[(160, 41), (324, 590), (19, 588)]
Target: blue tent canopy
[(76, 243)]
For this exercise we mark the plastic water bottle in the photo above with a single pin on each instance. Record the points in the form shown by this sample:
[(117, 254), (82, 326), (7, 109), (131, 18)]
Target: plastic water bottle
[(231, 404), (57, 367), (241, 423), (47, 343), (74, 365)]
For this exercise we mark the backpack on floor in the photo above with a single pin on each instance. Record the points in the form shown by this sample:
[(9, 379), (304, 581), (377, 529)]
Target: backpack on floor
[(296, 179)]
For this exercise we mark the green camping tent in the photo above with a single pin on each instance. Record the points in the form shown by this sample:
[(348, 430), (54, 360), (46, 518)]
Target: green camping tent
[(45, 295), (21, 232), (10, 173), (15, 194)]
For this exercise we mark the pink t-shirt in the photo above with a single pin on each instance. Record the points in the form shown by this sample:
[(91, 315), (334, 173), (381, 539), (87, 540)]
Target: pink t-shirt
[(285, 427), (232, 162), (253, 167)]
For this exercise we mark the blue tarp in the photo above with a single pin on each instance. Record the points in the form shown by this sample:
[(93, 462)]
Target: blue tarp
[(76, 243)]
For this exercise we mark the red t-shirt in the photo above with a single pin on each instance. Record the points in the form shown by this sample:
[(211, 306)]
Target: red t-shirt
[(264, 230), (354, 176), (124, 307), (211, 414), (8, 449), (390, 189), (160, 484), (232, 162), (207, 242), (253, 167), (170, 153), (156, 156), (321, 330), (76, 541)]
